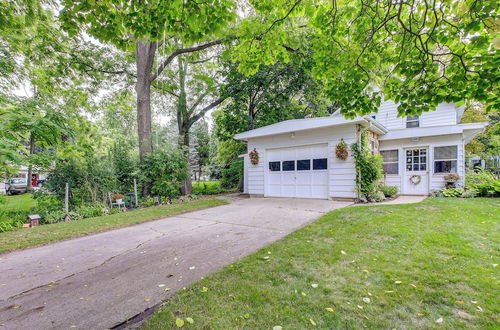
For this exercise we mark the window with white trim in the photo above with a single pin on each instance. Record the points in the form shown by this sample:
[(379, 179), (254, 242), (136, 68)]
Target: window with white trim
[(390, 163), (412, 121), (445, 159)]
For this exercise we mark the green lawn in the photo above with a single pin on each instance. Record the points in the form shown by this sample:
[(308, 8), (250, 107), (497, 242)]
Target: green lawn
[(427, 265), (24, 238), (22, 202)]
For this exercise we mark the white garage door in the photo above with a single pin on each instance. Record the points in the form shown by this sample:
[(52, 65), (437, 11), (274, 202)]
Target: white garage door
[(297, 172)]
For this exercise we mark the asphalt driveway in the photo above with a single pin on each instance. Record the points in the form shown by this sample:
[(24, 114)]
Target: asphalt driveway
[(99, 281)]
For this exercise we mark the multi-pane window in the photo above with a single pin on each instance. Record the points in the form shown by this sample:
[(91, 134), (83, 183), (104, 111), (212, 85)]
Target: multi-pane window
[(412, 121), (320, 164), (445, 159), (274, 166), (390, 163), (289, 165), (304, 165), (416, 160)]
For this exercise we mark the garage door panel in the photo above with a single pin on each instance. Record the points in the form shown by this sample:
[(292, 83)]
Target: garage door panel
[(319, 178), (305, 183)]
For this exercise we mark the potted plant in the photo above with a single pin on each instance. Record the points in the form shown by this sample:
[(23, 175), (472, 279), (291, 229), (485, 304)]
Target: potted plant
[(254, 157), (342, 151), (451, 179), (118, 198)]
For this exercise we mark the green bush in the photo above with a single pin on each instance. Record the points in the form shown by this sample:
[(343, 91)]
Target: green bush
[(207, 188), (376, 196), (368, 167), (490, 189), (166, 170), (11, 220), (3, 199), (230, 177), (452, 192), (478, 176), (389, 191)]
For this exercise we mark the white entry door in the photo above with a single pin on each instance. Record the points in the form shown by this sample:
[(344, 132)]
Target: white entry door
[(415, 178), (297, 172)]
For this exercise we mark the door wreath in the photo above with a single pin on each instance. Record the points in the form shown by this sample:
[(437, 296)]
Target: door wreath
[(415, 179), (254, 157), (341, 151)]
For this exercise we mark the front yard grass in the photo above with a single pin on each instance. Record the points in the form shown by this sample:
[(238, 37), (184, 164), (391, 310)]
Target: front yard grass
[(24, 238), (426, 265), (24, 202)]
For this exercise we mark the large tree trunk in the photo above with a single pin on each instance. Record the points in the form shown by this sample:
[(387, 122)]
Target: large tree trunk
[(144, 58), (187, 185), (29, 184)]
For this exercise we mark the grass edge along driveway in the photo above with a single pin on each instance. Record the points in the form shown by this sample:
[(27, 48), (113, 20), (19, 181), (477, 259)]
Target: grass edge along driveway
[(425, 265), (26, 238)]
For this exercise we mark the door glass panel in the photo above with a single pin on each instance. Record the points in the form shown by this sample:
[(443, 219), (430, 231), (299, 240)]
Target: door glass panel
[(416, 160), (304, 165), (274, 166), (289, 165)]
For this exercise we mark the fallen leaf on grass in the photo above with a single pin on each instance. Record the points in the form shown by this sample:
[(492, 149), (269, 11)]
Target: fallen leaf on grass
[(366, 300), (312, 322), (439, 320), (479, 309), (314, 285), (246, 316), (179, 322), (265, 258), (460, 302), (343, 252), (329, 309), (190, 320), (277, 327), (204, 289), (397, 282), (303, 293), (360, 307)]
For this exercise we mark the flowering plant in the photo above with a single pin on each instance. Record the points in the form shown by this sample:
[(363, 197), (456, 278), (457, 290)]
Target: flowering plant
[(254, 157), (117, 196), (341, 150), (452, 177)]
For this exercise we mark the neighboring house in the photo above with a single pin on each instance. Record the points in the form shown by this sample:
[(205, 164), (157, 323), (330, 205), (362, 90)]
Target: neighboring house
[(297, 157)]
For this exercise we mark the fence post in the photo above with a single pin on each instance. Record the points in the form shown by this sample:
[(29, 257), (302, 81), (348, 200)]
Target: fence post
[(66, 203), (135, 193)]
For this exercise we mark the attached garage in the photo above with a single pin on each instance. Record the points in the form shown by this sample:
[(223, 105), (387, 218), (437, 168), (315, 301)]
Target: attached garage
[(297, 172)]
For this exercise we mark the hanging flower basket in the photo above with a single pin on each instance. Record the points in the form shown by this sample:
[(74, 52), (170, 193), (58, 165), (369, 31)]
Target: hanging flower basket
[(415, 179), (342, 150), (254, 157)]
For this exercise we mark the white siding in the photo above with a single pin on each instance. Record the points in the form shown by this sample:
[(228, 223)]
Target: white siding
[(445, 114), (436, 181), (341, 174)]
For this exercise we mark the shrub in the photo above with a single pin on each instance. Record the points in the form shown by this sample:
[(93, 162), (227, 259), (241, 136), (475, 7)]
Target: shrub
[(478, 176), (389, 191), (368, 167), (230, 177), (376, 196), (452, 192), (166, 170), (3, 199), (207, 188), (469, 193), (11, 220), (490, 189)]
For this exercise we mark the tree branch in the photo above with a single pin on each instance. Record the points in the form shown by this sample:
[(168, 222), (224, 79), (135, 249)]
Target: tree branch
[(180, 51)]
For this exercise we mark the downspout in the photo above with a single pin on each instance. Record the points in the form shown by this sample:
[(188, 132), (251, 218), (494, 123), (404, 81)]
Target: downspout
[(360, 133)]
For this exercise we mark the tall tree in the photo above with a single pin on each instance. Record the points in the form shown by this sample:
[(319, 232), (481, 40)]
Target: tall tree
[(193, 85), (143, 27)]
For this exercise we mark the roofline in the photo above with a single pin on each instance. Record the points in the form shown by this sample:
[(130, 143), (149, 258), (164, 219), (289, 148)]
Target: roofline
[(244, 135), (406, 133)]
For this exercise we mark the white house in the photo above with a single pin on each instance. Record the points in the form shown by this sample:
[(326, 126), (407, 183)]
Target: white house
[(297, 157)]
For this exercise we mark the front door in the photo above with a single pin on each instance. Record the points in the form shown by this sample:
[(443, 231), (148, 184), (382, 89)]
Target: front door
[(415, 179)]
